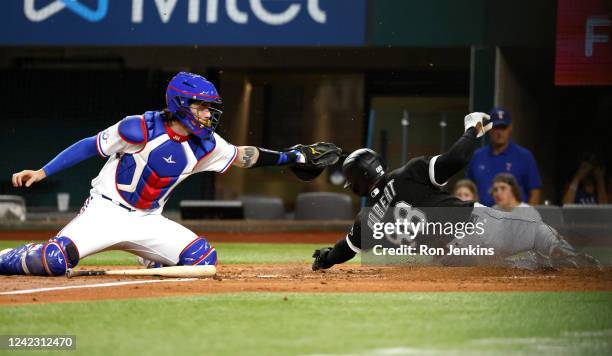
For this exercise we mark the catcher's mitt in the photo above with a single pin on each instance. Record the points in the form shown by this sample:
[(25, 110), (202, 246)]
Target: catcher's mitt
[(306, 173), (317, 157), (320, 154)]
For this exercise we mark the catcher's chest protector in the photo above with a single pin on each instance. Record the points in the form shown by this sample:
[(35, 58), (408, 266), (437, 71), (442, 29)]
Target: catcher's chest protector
[(144, 179)]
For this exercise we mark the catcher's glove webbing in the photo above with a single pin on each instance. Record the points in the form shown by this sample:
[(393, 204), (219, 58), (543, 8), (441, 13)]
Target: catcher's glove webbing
[(316, 156)]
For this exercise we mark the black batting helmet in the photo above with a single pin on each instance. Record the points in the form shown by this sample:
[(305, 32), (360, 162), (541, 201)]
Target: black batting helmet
[(362, 169)]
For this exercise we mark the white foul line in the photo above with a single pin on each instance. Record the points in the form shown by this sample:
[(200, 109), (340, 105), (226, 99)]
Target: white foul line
[(112, 284)]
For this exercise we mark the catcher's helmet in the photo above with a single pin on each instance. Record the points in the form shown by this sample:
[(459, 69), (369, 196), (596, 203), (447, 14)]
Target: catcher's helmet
[(362, 169), (184, 89)]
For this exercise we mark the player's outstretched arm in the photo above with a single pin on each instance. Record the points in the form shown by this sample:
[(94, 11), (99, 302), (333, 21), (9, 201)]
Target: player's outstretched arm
[(86, 148), (327, 257), (446, 165), (344, 250), (251, 156), (306, 161)]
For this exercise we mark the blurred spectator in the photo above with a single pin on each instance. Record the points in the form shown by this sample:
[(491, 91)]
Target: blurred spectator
[(588, 185), (507, 196), (506, 192), (504, 156), (466, 190)]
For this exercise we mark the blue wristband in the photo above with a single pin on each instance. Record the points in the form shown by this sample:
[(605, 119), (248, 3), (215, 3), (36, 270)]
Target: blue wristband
[(287, 157)]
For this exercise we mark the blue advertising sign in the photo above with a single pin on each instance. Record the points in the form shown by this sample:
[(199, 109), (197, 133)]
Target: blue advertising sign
[(184, 22)]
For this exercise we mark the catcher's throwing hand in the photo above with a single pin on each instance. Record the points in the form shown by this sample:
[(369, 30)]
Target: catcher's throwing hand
[(320, 259), (28, 177)]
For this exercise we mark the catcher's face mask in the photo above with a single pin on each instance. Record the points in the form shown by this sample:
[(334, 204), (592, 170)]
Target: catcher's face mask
[(205, 115), (200, 118)]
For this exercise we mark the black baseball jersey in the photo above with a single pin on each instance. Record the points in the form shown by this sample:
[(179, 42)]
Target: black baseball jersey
[(414, 184), (409, 192)]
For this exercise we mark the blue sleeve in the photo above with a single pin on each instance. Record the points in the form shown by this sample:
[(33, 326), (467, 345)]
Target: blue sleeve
[(533, 176), (80, 151)]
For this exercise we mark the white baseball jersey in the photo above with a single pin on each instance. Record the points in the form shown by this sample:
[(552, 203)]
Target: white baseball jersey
[(147, 160)]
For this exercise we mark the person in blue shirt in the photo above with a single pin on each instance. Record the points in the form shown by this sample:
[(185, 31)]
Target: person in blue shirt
[(504, 156), (588, 185)]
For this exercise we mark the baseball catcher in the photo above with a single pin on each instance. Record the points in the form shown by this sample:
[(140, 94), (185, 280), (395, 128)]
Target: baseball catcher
[(147, 156), (415, 189)]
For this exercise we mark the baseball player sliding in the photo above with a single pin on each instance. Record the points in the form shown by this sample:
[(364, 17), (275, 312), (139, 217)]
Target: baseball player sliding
[(414, 191), (147, 156)]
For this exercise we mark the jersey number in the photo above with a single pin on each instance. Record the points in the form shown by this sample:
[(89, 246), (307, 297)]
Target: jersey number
[(408, 218)]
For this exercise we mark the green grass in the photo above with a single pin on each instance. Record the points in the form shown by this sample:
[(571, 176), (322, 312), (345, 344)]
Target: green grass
[(229, 253), (357, 323)]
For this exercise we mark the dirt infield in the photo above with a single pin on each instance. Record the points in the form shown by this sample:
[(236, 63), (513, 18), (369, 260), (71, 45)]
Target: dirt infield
[(299, 278)]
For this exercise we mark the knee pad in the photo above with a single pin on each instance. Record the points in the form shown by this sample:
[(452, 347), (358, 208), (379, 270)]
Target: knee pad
[(52, 258), (70, 250), (198, 252), (46, 259)]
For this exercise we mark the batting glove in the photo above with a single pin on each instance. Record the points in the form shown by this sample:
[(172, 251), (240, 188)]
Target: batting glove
[(320, 257), (475, 118)]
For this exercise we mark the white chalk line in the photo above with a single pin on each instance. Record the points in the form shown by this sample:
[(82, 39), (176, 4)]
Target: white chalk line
[(98, 285)]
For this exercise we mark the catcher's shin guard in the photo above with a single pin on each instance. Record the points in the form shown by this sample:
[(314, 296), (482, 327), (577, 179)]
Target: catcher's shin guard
[(52, 258), (11, 261), (198, 252)]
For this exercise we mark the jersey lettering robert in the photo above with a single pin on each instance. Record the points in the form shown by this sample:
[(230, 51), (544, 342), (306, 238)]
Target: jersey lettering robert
[(379, 209)]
